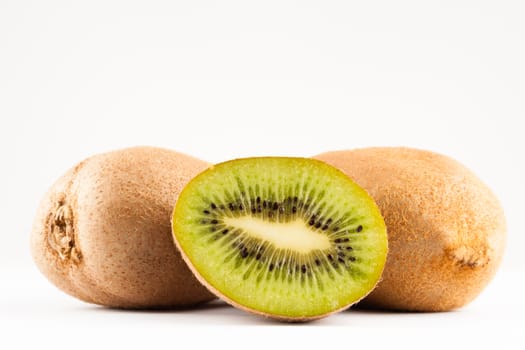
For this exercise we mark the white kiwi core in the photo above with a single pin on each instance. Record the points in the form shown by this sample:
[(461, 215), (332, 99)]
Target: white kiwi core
[(293, 235)]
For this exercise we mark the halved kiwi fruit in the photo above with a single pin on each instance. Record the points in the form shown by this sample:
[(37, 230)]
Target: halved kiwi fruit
[(290, 238)]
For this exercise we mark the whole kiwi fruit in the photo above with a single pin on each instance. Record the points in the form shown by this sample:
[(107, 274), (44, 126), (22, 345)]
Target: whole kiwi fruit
[(446, 229), (102, 232)]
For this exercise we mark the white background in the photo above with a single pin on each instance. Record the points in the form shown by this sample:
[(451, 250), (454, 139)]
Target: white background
[(226, 79)]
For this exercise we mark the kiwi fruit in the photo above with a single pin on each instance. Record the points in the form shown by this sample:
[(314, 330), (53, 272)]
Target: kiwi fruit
[(446, 229), (288, 238), (102, 232)]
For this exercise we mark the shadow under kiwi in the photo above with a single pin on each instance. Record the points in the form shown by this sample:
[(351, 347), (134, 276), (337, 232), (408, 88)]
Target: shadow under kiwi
[(369, 309), (217, 310), (210, 305)]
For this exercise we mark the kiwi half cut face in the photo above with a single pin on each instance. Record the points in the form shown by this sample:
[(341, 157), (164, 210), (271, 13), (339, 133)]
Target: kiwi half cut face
[(289, 238)]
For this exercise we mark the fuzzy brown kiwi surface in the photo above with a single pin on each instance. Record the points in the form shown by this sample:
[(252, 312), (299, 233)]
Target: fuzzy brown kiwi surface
[(446, 229), (102, 232)]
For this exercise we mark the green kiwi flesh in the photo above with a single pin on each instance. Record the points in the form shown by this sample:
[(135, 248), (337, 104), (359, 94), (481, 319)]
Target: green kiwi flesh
[(289, 238)]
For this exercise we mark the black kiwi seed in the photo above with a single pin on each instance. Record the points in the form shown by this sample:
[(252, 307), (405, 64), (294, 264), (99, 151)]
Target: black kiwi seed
[(311, 222), (244, 253), (214, 222), (213, 206), (303, 268), (231, 206), (225, 231), (317, 262), (258, 256), (271, 267), (341, 260), (338, 240), (294, 209), (330, 257), (258, 200), (275, 206), (325, 227), (352, 258), (206, 212), (349, 248), (359, 228)]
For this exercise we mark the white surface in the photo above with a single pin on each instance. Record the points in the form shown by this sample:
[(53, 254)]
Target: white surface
[(226, 79), (35, 313)]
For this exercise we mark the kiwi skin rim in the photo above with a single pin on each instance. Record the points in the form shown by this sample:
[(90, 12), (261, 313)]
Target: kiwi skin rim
[(232, 302)]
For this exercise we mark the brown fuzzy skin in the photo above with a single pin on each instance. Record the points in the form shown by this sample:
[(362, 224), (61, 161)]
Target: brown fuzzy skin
[(102, 232), (446, 229)]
